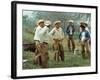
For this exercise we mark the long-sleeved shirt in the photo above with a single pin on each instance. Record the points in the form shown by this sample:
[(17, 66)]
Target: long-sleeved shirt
[(70, 29), (44, 34), (57, 33), (37, 35), (84, 35), (86, 28)]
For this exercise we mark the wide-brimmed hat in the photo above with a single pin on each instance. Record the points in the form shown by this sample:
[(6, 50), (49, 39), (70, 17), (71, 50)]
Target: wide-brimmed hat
[(40, 21), (47, 23), (57, 22), (86, 23), (83, 23), (82, 26), (71, 21)]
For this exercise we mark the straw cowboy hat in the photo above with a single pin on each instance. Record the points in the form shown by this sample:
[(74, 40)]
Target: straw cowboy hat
[(40, 21), (82, 22), (56, 22), (47, 23)]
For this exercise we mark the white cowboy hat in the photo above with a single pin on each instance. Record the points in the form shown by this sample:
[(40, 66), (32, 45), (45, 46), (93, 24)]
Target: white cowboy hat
[(40, 21), (47, 23), (71, 21), (57, 22)]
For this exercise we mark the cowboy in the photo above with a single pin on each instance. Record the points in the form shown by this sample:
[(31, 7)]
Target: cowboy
[(37, 59), (84, 36), (86, 28), (70, 32), (58, 36), (41, 38)]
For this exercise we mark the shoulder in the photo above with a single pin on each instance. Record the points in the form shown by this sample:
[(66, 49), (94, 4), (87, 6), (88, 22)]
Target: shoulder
[(46, 27), (80, 33), (38, 27), (86, 31), (61, 29)]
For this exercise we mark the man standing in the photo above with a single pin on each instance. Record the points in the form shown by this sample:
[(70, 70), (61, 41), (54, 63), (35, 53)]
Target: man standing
[(86, 28), (37, 58), (58, 36), (84, 36), (70, 32), (41, 39)]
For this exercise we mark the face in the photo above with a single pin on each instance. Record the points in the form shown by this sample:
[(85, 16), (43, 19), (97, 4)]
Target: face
[(83, 28), (58, 25), (70, 23), (41, 24)]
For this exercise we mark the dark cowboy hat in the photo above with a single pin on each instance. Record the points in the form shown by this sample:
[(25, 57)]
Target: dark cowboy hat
[(82, 26)]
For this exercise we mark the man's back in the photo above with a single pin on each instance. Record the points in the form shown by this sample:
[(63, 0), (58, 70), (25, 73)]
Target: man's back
[(37, 35)]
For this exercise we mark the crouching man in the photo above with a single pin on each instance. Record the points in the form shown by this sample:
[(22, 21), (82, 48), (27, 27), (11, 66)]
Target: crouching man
[(84, 36), (58, 36)]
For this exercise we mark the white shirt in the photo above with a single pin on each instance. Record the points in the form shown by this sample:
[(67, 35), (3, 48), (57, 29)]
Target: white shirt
[(70, 28), (83, 36), (44, 34), (57, 33), (37, 35)]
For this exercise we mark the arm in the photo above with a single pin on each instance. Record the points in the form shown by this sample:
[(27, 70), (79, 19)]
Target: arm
[(73, 28), (62, 34), (52, 32), (47, 32), (87, 35), (80, 36), (67, 29)]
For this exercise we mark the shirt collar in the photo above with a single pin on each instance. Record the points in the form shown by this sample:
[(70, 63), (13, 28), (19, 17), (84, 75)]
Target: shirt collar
[(57, 29)]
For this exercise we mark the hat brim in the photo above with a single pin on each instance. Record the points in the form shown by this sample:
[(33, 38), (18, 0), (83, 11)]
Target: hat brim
[(82, 26)]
